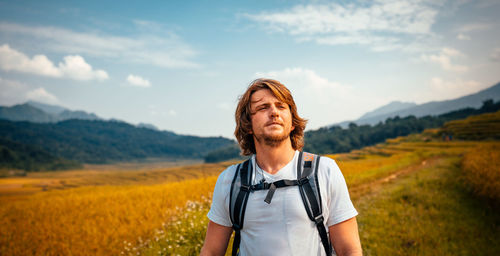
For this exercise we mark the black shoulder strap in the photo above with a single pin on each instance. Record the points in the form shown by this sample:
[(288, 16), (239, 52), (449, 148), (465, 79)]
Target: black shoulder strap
[(307, 173), (238, 199)]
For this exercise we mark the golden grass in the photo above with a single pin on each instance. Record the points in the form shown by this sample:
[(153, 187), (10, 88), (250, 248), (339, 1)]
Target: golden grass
[(91, 220), (16, 188), (484, 126), (481, 170)]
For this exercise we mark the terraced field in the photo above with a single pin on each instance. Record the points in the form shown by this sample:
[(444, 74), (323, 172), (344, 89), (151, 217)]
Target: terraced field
[(412, 193)]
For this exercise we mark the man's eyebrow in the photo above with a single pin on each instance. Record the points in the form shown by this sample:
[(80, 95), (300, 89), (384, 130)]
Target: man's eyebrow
[(255, 101)]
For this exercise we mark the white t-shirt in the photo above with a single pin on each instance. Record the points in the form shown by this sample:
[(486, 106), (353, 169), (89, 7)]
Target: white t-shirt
[(283, 227)]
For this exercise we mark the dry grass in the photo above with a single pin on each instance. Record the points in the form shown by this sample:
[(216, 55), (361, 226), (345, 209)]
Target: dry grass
[(92, 220), (481, 170), (16, 188)]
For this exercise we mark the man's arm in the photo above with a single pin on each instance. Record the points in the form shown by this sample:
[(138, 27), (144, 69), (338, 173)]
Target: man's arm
[(345, 238), (216, 239)]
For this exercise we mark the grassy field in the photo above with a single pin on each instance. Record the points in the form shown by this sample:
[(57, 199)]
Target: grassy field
[(94, 175), (414, 197), (416, 202)]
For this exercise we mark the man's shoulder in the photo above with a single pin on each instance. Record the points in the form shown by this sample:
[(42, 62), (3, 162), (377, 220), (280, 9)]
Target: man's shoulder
[(327, 166), (226, 176), (324, 162)]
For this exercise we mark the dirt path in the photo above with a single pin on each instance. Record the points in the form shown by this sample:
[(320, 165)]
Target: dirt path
[(360, 190)]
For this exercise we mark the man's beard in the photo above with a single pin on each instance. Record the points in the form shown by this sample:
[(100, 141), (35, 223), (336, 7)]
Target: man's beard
[(273, 141)]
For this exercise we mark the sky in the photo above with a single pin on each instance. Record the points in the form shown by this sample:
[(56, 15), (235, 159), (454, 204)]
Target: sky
[(181, 65)]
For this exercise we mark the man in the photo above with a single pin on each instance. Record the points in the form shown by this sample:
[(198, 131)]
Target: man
[(269, 128)]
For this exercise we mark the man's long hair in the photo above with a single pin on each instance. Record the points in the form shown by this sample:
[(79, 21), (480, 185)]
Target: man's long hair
[(243, 115)]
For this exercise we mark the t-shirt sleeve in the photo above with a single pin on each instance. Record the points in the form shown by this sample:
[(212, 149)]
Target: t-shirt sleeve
[(339, 202), (219, 211)]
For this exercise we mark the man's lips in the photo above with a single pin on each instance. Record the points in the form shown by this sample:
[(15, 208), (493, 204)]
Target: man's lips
[(274, 123)]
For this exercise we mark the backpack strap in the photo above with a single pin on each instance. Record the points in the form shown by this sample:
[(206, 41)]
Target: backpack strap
[(307, 181), (307, 170), (238, 199)]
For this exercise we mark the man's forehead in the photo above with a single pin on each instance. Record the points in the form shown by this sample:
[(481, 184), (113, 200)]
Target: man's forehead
[(259, 95)]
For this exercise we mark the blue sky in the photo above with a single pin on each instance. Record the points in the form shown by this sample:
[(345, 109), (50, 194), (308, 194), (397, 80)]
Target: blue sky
[(181, 65)]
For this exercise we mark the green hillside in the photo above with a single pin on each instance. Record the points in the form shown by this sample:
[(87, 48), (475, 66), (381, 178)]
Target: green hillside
[(95, 141)]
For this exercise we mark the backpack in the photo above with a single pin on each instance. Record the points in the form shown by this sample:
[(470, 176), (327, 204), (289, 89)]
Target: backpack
[(307, 180)]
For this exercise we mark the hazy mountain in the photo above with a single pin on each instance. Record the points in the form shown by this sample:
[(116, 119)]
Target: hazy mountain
[(51, 109), (389, 108), (26, 112), (148, 126), (37, 112), (432, 108), (385, 109), (68, 114)]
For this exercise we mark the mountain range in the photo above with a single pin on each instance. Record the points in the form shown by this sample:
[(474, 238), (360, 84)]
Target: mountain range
[(433, 108), (36, 136), (37, 112)]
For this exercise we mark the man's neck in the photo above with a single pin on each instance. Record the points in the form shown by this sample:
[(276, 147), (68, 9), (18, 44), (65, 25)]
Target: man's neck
[(272, 158)]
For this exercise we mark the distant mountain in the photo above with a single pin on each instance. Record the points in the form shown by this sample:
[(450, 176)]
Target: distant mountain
[(37, 112), (82, 115), (51, 109), (26, 112), (433, 108), (147, 126), (389, 108)]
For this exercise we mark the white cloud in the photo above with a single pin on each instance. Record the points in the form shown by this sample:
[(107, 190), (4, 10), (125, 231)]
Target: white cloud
[(451, 52), (444, 59), (383, 24), (320, 100), (41, 95), (464, 37), (452, 89), (14, 92), (11, 59), (164, 49), (138, 81), (495, 55), (73, 67), (308, 80)]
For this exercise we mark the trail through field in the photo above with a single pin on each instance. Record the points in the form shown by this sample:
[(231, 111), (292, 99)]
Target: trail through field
[(424, 210), (362, 189)]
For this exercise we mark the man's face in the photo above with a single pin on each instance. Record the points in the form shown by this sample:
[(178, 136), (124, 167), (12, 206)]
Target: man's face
[(271, 118)]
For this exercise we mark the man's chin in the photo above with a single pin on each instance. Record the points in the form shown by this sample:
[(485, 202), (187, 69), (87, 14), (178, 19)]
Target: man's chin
[(273, 140)]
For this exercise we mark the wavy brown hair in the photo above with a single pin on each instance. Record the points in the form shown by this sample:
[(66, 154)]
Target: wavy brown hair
[(243, 115)]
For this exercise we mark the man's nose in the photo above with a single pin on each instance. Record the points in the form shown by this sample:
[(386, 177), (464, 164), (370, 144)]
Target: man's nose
[(274, 111)]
